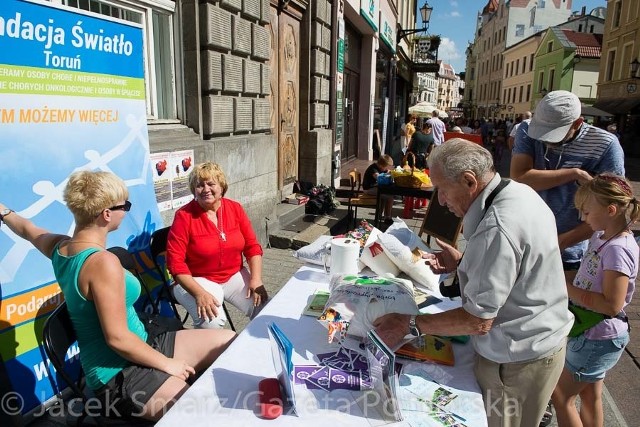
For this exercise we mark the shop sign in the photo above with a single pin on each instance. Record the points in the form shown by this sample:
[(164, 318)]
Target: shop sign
[(370, 11), (387, 33)]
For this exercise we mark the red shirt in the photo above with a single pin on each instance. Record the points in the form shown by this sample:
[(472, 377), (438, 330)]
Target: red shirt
[(195, 245)]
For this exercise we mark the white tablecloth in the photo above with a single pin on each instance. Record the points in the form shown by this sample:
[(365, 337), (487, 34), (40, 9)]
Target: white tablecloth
[(226, 393)]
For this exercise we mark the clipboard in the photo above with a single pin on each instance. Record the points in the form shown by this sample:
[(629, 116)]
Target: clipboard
[(440, 222)]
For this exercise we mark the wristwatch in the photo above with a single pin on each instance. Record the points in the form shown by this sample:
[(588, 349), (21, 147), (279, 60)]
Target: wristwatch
[(3, 213), (413, 327)]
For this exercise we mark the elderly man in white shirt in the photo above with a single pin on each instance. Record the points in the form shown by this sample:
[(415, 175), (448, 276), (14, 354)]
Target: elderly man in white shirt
[(515, 307)]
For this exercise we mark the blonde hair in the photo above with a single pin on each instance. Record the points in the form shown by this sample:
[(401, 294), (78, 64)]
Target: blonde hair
[(204, 172), (88, 193), (385, 161), (609, 189)]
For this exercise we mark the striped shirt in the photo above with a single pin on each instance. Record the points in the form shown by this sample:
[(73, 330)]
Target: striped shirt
[(593, 150)]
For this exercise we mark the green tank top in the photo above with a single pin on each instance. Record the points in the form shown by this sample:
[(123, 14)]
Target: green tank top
[(99, 362)]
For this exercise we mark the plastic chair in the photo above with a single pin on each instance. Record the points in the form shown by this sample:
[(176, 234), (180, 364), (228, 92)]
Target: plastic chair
[(357, 198), (158, 248), (58, 335)]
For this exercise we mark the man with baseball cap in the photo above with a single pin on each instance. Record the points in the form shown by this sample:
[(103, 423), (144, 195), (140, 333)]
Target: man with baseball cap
[(554, 154)]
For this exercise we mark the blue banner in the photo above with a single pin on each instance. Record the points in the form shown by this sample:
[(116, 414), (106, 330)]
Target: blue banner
[(52, 38), (57, 118)]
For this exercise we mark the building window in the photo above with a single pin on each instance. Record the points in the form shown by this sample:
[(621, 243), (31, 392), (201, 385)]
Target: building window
[(520, 94), (528, 93), (520, 30), (580, 28), (591, 29), (617, 11), (552, 74), (541, 4), (517, 65), (541, 82), (610, 65), (531, 63), (524, 64), (532, 16), (549, 46), (159, 62)]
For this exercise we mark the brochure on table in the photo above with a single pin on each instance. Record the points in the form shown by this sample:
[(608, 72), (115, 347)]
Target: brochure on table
[(384, 381), (426, 403), (282, 351)]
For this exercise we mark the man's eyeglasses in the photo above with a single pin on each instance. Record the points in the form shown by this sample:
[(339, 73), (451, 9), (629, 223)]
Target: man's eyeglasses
[(125, 207)]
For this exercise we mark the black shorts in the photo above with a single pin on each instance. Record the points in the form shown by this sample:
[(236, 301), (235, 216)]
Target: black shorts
[(131, 388)]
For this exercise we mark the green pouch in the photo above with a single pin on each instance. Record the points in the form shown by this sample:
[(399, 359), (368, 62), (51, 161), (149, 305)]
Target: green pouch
[(584, 319), (462, 339)]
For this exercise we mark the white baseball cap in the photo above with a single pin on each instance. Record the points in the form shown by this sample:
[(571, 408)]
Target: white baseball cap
[(554, 115)]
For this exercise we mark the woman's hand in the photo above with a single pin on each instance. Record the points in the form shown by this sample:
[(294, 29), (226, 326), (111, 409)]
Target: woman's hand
[(259, 292), (444, 261), (207, 305), (179, 368)]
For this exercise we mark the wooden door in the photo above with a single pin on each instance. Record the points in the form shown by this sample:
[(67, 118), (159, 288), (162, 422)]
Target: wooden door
[(352, 58), (349, 147), (285, 101)]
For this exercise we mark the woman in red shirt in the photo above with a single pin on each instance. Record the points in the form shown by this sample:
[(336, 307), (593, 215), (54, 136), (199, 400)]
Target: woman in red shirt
[(206, 243)]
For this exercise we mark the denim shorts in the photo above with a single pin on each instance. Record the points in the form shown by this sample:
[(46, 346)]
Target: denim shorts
[(589, 360)]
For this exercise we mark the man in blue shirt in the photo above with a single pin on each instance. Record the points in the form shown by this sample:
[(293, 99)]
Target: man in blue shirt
[(554, 154)]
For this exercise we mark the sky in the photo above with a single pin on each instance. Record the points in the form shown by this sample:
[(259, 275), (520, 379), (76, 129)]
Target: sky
[(455, 22)]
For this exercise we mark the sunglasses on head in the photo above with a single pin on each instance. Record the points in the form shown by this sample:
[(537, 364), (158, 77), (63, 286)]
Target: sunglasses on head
[(124, 207)]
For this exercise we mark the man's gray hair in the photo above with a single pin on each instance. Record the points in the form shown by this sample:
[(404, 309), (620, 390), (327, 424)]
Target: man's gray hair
[(458, 155)]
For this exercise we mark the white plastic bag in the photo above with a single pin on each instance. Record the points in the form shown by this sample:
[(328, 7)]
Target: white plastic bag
[(356, 301)]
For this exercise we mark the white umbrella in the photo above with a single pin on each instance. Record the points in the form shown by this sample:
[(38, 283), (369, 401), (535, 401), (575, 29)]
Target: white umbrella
[(423, 109), (442, 114)]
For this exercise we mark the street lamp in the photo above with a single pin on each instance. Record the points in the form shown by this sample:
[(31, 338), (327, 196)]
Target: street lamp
[(425, 13), (631, 86)]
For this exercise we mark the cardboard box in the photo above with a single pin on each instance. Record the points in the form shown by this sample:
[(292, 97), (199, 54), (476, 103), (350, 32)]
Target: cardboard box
[(297, 199)]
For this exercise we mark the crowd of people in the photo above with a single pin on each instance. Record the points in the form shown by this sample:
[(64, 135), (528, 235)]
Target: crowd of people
[(559, 228)]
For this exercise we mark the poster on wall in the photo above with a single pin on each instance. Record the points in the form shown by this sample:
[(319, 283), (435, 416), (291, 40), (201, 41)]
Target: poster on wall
[(72, 99), (181, 166), (162, 180)]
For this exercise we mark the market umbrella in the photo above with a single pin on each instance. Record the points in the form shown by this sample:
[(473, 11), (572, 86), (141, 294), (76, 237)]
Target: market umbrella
[(442, 114), (423, 109)]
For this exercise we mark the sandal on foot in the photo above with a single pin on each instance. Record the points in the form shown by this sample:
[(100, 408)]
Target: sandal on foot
[(548, 416)]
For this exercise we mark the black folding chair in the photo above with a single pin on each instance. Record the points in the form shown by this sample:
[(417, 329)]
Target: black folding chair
[(128, 263), (58, 335), (158, 248)]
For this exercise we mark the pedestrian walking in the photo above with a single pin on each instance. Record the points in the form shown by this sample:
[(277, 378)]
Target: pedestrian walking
[(438, 128)]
